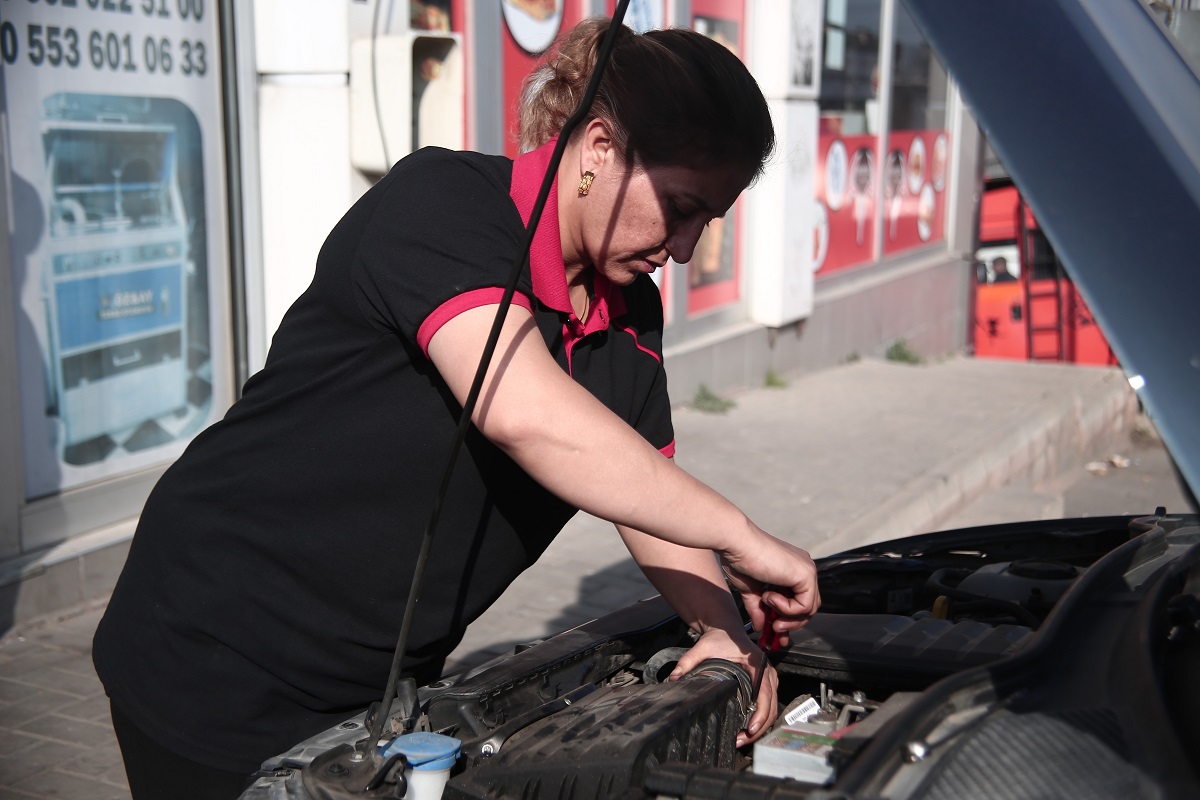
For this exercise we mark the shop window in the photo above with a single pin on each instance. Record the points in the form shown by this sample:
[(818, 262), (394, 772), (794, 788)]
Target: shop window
[(846, 182), (914, 186), (713, 271)]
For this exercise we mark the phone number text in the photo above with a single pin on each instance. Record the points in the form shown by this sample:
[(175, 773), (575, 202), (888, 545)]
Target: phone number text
[(159, 9), (56, 46)]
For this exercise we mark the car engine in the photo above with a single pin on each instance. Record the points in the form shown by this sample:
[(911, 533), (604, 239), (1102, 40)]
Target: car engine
[(905, 627)]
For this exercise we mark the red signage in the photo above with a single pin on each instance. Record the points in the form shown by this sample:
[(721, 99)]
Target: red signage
[(846, 178), (914, 189)]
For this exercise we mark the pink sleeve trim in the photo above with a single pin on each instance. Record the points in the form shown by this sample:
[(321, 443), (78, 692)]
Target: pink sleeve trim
[(639, 345), (456, 305), (669, 450)]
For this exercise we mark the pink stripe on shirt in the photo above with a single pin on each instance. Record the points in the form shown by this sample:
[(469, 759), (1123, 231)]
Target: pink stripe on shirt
[(487, 296)]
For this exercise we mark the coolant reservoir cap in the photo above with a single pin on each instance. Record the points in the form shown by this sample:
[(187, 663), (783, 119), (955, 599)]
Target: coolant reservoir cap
[(425, 751)]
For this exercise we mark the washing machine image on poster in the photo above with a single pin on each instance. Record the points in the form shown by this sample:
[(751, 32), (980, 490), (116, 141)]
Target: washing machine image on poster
[(115, 172), (118, 268)]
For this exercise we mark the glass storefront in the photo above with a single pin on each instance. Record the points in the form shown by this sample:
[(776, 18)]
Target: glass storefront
[(914, 186), (119, 252), (713, 270), (854, 190)]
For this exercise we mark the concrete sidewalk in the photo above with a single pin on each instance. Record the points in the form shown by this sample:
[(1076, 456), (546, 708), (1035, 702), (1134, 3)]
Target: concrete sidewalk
[(864, 452)]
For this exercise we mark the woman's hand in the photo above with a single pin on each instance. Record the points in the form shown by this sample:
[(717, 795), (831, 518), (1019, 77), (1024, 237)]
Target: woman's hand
[(775, 579), (735, 646)]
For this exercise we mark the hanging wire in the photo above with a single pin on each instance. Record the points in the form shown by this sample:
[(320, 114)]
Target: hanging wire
[(585, 103), (387, 161)]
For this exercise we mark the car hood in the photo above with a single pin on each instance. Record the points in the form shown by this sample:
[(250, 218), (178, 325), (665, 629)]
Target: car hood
[(1094, 111)]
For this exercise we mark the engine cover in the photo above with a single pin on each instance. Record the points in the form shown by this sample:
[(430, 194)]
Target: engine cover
[(604, 744)]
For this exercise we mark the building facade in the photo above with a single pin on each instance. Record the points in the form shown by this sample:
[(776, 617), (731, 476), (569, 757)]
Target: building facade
[(173, 166)]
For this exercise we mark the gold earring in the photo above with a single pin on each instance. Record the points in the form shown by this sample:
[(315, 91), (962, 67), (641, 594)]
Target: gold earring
[(585, 183)]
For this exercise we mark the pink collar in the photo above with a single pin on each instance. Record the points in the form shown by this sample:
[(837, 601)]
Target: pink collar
[(549, 273)]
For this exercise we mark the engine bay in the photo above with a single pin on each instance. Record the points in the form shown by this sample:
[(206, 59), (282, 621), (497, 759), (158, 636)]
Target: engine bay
[(588, 713)]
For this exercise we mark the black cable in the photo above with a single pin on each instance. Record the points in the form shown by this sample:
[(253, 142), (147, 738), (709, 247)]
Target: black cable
[(485, 360), (387, 162)]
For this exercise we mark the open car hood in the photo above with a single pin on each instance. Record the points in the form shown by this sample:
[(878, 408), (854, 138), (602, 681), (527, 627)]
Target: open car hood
[(1094, 111)]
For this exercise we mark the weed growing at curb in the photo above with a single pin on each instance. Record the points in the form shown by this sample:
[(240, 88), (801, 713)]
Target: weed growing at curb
[(774, 380), (709, 402), (900, 352)]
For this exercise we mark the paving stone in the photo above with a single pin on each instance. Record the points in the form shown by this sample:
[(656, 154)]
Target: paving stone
[(34, 704), (55, 784), (67, 729), (14, 645), (116, 777), (84, 621), (12, 742), (15, 691), (98, 762), (92, 709), (39, 759), (36, 660), (65, 680)]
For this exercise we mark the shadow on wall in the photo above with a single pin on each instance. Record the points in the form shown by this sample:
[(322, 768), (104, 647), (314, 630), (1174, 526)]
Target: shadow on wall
[(29, 226)]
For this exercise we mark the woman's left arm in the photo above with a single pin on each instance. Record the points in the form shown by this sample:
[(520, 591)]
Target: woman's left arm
[(692, 582)]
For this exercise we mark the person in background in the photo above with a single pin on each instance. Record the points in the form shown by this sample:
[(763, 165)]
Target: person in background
[(1000, 273), (266, 582)]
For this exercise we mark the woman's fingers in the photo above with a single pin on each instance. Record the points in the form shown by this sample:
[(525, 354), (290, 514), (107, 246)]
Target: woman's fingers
[(736, 647), (784, 580)]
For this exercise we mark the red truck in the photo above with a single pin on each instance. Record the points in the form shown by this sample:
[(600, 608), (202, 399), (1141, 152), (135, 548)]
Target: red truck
[(1025, 305)]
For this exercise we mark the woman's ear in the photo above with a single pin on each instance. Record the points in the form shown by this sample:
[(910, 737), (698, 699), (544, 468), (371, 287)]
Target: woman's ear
[(597, 148)]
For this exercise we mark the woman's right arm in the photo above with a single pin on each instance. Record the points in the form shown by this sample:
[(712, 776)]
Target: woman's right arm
[(573, 445)]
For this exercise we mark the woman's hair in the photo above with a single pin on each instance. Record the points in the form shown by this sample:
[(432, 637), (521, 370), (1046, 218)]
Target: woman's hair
[(671, 97)]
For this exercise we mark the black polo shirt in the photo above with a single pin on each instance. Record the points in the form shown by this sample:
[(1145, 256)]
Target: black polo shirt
[(265, 585)]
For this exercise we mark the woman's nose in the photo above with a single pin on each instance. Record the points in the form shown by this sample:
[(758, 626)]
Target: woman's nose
[(681, 244)]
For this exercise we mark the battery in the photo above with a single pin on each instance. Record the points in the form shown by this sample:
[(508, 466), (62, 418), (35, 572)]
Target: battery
[(786, 752)]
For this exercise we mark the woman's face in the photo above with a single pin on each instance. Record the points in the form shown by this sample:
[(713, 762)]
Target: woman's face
[(634, 219)]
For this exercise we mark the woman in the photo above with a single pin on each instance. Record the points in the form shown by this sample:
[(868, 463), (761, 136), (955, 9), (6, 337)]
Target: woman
[(265, 585)]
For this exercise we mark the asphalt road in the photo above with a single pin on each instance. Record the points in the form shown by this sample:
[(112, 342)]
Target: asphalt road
[(1133, 476), (1148, 481)]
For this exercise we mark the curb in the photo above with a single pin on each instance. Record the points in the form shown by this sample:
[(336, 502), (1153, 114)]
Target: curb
[(1053, 440)]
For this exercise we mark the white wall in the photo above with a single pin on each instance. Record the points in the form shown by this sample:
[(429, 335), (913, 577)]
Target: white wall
[(303, 64)]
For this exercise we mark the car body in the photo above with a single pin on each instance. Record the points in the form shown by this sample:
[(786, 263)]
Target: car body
[(1039, 659)]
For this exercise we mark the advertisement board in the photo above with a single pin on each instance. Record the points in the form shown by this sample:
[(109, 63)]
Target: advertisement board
[(113, 134), (914, 189), (846, 189)]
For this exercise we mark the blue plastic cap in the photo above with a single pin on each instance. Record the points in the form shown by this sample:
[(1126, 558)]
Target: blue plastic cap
[(425, 751)]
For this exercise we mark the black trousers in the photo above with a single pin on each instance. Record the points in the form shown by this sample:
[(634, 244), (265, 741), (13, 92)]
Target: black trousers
[(156, 773)]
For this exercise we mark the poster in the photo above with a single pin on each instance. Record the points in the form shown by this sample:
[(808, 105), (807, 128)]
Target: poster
[(113, 126), (804, 49), (914, 189), (846, 176)]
